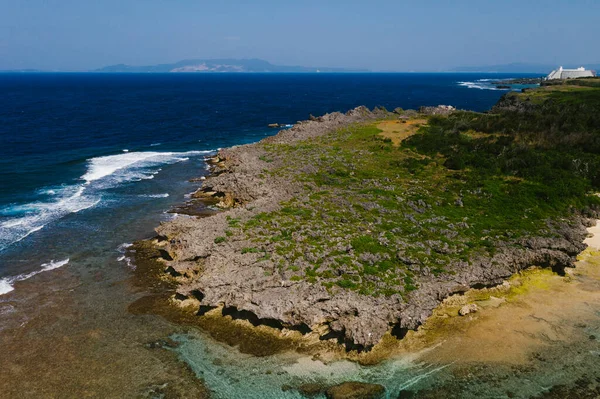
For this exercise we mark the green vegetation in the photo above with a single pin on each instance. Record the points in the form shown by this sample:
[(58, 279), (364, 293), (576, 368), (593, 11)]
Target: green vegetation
[(250, 250), (265, 159), (233, 222), (219, 240), (374, 216), (589, 82)]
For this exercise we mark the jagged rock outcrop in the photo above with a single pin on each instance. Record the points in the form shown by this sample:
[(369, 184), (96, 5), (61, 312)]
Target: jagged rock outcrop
[(512, 102), (439, 110)]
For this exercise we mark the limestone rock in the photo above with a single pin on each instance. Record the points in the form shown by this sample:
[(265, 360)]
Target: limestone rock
[(221, 275), (470, 308), (439, 110), (311, 390)]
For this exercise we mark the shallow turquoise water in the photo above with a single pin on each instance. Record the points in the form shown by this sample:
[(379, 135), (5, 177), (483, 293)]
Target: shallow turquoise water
[(230, 374)]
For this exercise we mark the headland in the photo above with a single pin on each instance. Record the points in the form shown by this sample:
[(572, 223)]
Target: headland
[(349, 228)]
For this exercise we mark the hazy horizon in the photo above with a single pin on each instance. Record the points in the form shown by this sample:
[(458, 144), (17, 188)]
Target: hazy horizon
[(68, 35)]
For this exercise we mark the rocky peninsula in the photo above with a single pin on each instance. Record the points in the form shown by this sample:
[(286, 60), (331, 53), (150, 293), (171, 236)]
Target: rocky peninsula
[(348, 227)]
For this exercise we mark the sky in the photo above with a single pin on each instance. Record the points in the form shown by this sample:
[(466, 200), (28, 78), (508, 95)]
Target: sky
[(417, 35)]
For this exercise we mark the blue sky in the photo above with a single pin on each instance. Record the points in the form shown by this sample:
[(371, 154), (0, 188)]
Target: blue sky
[(376, 34)]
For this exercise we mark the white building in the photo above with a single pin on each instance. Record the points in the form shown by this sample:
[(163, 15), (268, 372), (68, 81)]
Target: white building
[(562, 73)]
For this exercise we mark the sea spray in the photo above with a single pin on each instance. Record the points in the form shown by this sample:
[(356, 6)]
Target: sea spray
[(18, 221), (6, 284), (102, 167)]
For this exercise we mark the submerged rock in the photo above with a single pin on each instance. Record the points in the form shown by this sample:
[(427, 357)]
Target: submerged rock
[(356, 390), (405, 394), (311, 390)]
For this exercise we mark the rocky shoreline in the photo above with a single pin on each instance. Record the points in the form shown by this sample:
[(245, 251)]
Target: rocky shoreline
[(215, 273)]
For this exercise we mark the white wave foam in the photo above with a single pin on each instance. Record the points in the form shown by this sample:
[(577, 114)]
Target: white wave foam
[(164, 195), (495, 80), (127, 261), (122, 249), (54, 265), (6, 284), (482, 84), (170, 215), (24, 220), (102, 167), (18, 221), (478, 85)]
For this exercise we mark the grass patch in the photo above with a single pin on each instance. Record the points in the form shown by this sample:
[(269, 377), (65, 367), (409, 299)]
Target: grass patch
[(250, 250), (375, 216)]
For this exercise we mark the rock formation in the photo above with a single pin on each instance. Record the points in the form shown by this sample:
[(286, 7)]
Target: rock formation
[(224, 276)]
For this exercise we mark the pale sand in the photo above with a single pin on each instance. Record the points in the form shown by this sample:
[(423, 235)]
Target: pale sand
[(534, 310), (594, 239)]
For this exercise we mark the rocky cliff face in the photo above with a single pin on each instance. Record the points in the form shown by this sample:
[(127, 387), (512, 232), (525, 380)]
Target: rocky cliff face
[(239, 280)]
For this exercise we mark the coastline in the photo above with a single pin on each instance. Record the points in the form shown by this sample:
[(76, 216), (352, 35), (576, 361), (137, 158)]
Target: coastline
[(85, 328), (536, 325), (212, 283)]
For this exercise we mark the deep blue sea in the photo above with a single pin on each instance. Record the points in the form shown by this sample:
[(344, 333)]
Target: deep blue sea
[(70, 142), (92, 162)]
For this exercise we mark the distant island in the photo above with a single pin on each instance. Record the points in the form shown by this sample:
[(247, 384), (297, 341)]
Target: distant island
[(220, 65), (256, 65)]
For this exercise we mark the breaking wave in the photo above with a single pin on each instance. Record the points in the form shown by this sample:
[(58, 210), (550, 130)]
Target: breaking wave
[(18, 221), (165, 195), (6, 284), (131, 165), (481, 84), (122, 249)]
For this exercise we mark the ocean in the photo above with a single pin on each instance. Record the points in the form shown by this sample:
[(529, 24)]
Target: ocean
[(90, 163), (75, 147)]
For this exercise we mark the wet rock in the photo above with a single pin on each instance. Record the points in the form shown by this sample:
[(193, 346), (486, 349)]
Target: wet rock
[(404, 394), (228, 201), (470, 308), (356, 390), (311, 390)]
